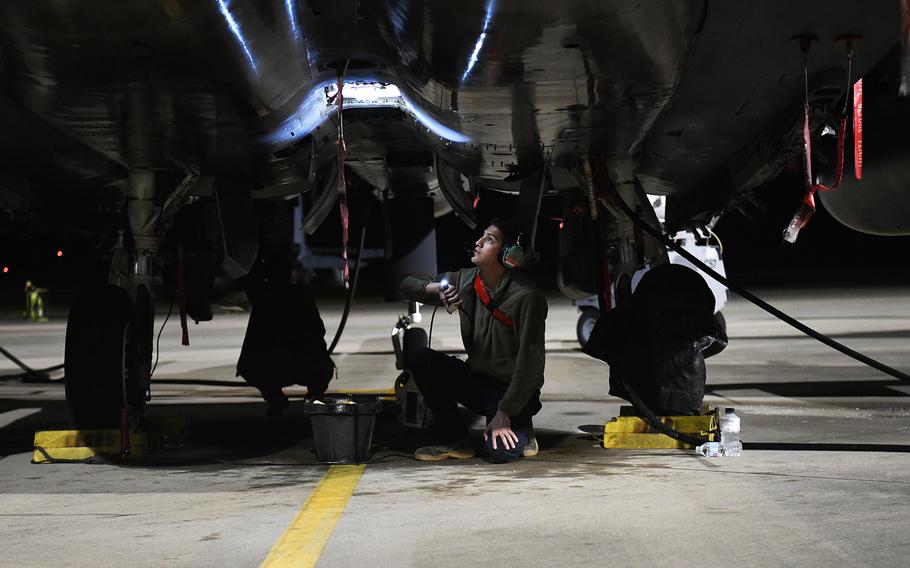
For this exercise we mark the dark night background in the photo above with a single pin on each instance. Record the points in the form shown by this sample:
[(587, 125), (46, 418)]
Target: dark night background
[(826, 254)]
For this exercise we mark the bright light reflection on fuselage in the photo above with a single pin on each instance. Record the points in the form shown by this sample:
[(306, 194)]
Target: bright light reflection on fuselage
[(321, 102), (365, 93), (433, 125), (235, 29), (291, 6), (478, 45)]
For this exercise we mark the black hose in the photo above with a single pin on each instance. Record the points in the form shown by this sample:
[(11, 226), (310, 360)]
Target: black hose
[(18, 363), (866, 360), (656, 423), (158, 340), (350, 299), (29, 373), (423, 421)]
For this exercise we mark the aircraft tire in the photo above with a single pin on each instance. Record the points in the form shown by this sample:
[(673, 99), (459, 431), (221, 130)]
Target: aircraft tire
[(586, 322), (97, 356), (141, 342)]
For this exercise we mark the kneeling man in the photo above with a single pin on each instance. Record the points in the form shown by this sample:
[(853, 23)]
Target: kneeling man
[(502, 314)]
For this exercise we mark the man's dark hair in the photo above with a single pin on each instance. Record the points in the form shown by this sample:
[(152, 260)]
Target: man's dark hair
[(508, 228)]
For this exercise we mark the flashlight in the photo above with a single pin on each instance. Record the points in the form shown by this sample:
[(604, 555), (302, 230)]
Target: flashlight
[(444, 285)]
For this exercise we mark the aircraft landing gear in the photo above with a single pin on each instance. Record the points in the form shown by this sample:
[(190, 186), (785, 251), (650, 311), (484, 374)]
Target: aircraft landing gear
[(108, 355), (109, 333)]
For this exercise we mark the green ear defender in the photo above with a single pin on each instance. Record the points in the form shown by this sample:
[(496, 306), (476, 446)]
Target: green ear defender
[(512, 255)]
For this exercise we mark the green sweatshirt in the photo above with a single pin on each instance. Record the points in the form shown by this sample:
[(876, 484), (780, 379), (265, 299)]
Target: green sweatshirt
[(513, 355)]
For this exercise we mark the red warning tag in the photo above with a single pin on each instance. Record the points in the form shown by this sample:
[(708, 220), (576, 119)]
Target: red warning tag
[(839, 165), (343, 187), (807, 149), (858, 129)]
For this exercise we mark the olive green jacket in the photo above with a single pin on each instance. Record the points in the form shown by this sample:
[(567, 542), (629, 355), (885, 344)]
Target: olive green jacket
[(513, 355)]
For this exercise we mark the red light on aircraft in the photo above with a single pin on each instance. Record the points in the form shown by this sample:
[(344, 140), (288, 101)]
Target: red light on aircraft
[(5, 269), (59, 253)]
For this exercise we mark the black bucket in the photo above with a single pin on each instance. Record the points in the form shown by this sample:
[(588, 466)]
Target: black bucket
[(343, 426)]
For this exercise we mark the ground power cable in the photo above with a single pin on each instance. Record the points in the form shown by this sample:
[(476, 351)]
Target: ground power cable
[(793, 322)]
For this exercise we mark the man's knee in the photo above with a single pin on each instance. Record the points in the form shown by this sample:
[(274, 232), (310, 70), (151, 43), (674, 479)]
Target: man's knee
[(501, 454), (415, 348), (417, 357)]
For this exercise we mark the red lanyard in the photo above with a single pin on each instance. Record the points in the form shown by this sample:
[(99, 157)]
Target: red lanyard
[(493, 306)]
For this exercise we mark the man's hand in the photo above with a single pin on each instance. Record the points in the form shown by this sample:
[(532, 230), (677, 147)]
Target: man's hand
[(501, 427), (448, 295)]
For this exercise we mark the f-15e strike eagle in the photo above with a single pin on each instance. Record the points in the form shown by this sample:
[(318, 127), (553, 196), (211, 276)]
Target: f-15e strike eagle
[(191, 110)]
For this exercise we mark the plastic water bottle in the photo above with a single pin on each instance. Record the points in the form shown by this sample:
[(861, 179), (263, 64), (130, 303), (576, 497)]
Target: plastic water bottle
[(709, 449), (730, 445)]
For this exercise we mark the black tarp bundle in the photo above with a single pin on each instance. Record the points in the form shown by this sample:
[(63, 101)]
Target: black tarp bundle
[(658, 342), (285, 337)]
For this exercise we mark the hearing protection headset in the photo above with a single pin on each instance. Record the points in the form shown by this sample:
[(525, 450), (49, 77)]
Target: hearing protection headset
[(512, 255)]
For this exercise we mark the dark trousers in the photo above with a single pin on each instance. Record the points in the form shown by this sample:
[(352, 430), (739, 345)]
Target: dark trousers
[(446, 382)]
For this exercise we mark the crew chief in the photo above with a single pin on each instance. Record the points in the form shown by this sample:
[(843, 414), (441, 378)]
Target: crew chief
[(502, 315)]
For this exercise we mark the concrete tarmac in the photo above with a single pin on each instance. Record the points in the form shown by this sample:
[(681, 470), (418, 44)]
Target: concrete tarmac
[(824, 479)]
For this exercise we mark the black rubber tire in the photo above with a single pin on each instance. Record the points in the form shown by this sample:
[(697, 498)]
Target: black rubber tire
[(586, 321), (141, 343), (97, 356)]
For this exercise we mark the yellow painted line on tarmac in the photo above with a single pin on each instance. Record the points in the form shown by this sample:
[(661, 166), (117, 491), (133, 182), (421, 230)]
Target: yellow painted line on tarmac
[(303, 541), (377, 392)]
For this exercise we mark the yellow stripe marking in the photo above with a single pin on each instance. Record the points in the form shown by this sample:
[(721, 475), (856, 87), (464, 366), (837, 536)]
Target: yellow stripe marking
[(303, 541), (377, 392)]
